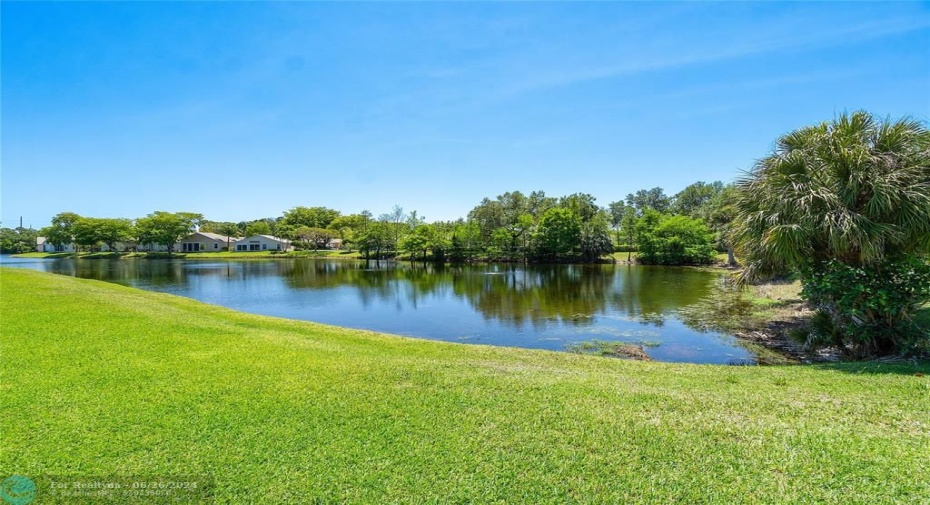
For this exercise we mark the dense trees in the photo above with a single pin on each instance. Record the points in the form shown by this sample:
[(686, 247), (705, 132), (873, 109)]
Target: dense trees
[(227, 228), (90, 232), (260, 227), (312, 238), (510, 227), (845, 203), (17, 240), (61, 231), (311, 217), (513, 226), (694, 198), (558, 234), (654, 198), (166, 228), (516, 227)]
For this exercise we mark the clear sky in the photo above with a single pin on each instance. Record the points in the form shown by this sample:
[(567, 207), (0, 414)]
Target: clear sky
[(243, 110)]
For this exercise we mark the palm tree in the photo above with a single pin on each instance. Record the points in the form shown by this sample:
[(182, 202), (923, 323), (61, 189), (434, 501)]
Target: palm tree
[(855, 190)]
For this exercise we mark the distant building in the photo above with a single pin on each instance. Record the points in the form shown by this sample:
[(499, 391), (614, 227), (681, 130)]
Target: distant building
[(151, 248), (263, 243), (43, 245), (202, 241)]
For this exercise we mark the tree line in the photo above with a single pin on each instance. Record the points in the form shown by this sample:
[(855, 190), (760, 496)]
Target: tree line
[(686, 228)]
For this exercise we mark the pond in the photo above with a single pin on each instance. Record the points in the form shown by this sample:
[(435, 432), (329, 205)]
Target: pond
[(535, 306)]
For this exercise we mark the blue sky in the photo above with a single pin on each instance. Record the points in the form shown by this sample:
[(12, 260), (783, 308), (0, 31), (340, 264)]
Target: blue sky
[(243, 110)]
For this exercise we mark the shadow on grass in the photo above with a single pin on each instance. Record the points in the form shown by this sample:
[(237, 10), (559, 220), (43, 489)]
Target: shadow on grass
[(919, 368)]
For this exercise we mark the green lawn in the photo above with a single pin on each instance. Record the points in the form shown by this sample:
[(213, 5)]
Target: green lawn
[(103, 380)]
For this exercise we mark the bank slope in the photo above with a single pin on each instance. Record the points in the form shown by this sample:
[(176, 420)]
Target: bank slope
[(103, 380)]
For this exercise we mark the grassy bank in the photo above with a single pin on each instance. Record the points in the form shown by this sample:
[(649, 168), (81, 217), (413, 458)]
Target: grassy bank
[(102, 380)]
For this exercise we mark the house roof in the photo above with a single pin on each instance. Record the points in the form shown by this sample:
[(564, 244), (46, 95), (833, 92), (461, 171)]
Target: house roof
[(269, 237), (217, 236), (41, 240)]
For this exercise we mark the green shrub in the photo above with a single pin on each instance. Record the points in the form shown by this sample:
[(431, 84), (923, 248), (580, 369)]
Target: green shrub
[(674, 240), (869, 309)]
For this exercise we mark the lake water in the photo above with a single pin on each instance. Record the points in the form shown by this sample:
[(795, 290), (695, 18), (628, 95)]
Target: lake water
[(535, 306)]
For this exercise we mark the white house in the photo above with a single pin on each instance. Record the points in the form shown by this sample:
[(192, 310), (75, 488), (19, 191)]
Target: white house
[(202, 241), (263, 243), (43, 245)]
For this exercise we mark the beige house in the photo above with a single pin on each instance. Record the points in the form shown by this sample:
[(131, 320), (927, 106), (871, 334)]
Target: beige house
[(202, 241), (263, 243)]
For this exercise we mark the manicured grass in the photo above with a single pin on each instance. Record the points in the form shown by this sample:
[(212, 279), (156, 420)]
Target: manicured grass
[(100, 380)]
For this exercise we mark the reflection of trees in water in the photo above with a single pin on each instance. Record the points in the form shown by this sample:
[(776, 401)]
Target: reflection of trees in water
[(512, 294), (157, 273), (537, 294), (650, 293), (515, 294), (389, 282)]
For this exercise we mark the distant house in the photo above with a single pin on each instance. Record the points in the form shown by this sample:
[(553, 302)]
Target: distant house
[(151, 248), (43, 245), (202, 241), (263, 243), (120, 246), (335, 243)]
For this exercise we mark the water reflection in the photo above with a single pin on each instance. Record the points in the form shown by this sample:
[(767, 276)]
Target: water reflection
[(537, 306)]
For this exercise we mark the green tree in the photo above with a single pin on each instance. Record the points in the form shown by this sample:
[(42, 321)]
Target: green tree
[(61, 231), (419, 241), (17, 240), (559, 232), (376, 238), (90, 232), (719, 214), (845, 200), (628, 226), (166, 228), (691, 200), (673, 240), (394, 224), (110, 231), (226, 228), (594, 240), (616, 211), (488, 216), (538, 203), (582, 205), (350, 227), (464, 241), (87, 233), (312, 217), (317, 238), (643, 199), (258, 228)]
